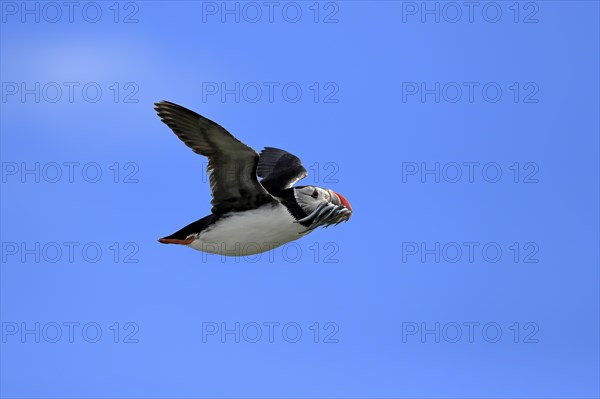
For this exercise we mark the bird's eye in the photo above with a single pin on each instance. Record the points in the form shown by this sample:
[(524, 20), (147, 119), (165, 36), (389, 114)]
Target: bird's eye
[(315, 194)]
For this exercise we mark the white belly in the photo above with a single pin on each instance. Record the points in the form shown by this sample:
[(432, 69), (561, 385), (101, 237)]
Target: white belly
[(250, 232)]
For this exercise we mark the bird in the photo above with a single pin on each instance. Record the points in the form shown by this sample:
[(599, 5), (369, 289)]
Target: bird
[(248, 216)]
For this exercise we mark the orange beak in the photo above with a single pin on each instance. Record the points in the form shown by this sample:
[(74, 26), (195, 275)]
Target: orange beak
[(344, 201)]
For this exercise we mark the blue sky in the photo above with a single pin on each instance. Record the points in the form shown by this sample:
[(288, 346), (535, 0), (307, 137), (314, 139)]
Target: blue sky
[(465, 138)]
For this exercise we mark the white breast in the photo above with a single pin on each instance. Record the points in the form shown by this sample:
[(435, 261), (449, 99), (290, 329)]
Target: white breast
[(250, 232)]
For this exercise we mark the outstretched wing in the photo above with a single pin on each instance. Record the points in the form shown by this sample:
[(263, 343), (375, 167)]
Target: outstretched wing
[(279, 169), (231, 163)]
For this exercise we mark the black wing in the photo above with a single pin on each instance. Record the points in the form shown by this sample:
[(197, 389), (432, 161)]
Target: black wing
[(279, 169), (193, 228), (231, 163)]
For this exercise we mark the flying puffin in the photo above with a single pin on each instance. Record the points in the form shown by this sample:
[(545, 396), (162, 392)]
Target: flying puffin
[(248, 216)]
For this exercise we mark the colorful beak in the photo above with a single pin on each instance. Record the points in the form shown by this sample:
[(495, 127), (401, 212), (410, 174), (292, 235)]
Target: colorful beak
[(343, 201)]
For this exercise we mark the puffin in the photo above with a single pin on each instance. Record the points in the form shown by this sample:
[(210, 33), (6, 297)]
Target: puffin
[(248, 216)]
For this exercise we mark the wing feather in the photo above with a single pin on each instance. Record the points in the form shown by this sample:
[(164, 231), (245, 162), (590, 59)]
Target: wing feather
[(279, 169), (232, 164)]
